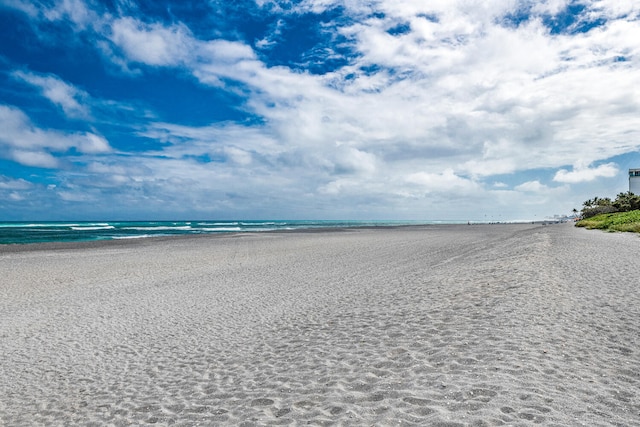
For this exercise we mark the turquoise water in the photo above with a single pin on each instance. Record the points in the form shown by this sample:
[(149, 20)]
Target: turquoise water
[(41, 232)]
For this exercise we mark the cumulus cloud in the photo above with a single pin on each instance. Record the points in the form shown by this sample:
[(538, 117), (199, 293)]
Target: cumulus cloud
[(456, 90), (349, 160), (496, 99), (456, 81), (586, 174)]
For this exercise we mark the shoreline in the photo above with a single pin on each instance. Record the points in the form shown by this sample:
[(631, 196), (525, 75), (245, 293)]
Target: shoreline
[(437, 325), (143, 240)]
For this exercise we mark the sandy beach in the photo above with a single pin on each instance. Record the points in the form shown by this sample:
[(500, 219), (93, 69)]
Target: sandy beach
[(481, 325)]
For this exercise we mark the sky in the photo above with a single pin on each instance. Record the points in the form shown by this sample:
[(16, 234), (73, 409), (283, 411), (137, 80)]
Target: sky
[(315, 109)]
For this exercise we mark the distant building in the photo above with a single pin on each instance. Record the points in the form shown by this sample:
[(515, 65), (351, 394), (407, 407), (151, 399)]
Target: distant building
[(634, 181)]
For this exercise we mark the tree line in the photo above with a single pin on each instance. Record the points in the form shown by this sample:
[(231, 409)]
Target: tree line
[(624, 202)]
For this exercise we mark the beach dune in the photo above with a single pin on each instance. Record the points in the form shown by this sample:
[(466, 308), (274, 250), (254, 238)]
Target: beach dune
[(448, 325)]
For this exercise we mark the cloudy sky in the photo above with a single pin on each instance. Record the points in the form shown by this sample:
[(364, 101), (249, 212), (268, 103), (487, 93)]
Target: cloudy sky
[(315, 109)]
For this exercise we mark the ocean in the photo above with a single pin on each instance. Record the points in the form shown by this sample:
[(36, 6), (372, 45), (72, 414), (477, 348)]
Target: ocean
[(42, 232)]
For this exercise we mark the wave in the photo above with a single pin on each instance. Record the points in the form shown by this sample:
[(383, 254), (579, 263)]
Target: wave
[(84, 225), (41, 225), (159, 228), (219, 229), (90, 228)]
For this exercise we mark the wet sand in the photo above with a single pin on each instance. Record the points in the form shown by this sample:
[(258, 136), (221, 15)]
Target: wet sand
[(440, 325)]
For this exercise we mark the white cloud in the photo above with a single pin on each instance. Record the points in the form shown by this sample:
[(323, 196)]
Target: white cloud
[(105, 168), (76, 196), (532, 186), (351, 160), (456, 93), (159, 45), (14, 184), (490, 96), (60, 93), (270, 40), (39, 159), (586, 174), (551, 7), (22, 5), (237, 155), (90, 143), (32, 146), (151, 44), (214, 60), (447, 181), (16, 197), (225, 139), (75, 10)]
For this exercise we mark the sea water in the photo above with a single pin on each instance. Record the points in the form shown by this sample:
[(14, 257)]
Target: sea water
[(41, 232)]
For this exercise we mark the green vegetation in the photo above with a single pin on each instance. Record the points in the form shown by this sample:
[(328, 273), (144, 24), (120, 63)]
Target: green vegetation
[(621, 214), (617, 221)]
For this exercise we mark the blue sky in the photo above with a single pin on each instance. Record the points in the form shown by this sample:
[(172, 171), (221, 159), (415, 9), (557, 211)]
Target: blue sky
[(315, 109)]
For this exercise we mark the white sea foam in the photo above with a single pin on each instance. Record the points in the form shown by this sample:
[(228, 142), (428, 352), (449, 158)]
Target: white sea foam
[(43, 225), (159, 228), (97, 227), (218, 229), (139, 236)]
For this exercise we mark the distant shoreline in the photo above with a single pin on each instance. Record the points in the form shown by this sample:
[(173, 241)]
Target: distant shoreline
[(46, 232), (151, 240)]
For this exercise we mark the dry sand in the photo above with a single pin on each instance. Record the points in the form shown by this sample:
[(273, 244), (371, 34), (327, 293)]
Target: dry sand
[(441, 325)]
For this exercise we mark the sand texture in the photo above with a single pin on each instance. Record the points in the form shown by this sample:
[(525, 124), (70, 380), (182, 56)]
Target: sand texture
[(480, 325)]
